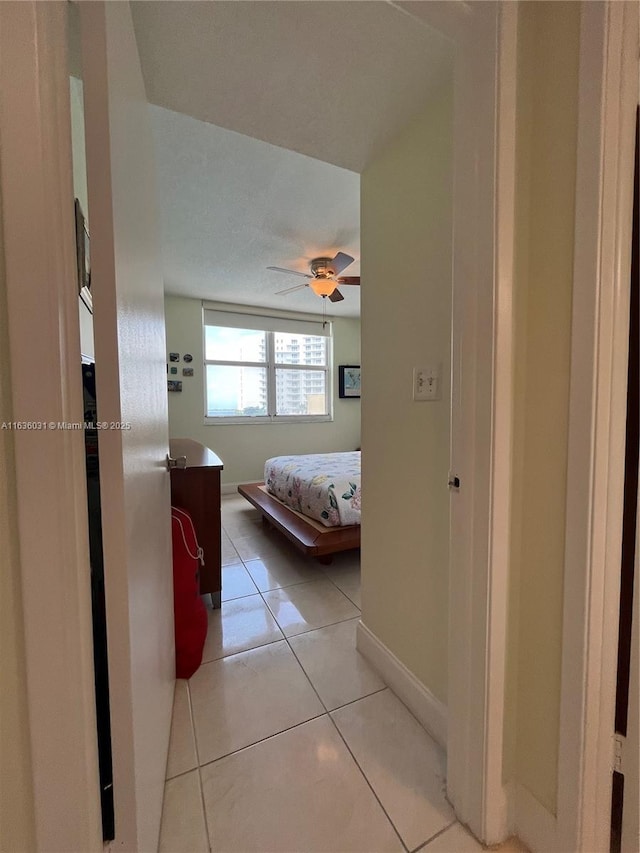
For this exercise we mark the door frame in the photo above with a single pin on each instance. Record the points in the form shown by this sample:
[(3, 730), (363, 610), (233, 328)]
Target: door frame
[(481, 423), (38, 236), (484, 39), (608, 97)]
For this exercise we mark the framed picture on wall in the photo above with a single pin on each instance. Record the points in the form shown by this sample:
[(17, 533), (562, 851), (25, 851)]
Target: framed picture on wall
[(349, 380)]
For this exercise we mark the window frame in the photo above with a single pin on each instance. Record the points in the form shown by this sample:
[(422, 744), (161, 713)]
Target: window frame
[(271, 366)]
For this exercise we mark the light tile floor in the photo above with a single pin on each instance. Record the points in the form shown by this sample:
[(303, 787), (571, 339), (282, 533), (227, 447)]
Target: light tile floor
[(285, 740)]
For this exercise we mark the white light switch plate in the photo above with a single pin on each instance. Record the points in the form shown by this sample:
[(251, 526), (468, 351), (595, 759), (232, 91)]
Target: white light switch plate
[(426, 383)]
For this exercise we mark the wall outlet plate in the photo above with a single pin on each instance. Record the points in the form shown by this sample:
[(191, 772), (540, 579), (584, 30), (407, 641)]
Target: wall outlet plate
[(426, 383)]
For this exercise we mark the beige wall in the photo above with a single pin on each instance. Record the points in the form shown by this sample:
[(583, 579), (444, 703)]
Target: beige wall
[(244, 448), (406, 320), (546, 162), (17, 829)]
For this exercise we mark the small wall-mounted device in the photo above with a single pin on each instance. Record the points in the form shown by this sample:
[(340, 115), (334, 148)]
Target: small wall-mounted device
[(426, 383)]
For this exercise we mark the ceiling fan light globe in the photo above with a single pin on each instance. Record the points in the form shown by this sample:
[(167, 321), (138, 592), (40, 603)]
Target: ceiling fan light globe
[(323, 286)]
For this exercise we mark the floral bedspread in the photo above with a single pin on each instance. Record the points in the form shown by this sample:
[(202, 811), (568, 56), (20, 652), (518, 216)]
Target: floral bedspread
[(324, 486)]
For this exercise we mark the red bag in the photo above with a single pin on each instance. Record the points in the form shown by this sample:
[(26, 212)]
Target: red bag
[(190, 614)]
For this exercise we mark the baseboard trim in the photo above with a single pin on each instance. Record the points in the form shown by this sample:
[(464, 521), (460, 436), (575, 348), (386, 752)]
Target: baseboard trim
[(431, 712), (229, 488), (534, 825)]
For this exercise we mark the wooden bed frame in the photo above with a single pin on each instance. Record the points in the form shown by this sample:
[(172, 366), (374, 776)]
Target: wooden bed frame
[(311, 541)]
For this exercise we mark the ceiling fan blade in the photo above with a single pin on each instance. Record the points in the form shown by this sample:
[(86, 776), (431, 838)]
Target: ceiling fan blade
[(291, 272), (336, 296), (349, 279), (341, 262), (290, 289)]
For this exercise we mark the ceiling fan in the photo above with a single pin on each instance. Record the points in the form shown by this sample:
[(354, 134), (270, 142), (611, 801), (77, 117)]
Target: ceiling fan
[(324, 278)]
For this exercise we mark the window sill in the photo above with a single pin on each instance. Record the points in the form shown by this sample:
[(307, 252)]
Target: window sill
[(276, 419)]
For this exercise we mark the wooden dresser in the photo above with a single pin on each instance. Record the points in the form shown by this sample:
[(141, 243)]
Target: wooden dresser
[(196, 488)]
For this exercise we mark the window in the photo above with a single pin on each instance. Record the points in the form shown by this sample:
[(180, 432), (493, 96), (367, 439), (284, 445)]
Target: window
[(265, 369)]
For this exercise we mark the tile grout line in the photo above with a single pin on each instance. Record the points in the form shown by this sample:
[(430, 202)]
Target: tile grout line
[(311, 562), (320, 566), (364, 776), (279, 639), (284, 638), (325, 713), (276, 548), (263, 740), (300, 583), (318, 628), (325, 576), (241, 651), (263, 592), (330, 625), (350, 599), (195, 744), (276, 588), (181, 774), (306, 675), (359, 699), (426, 843), (235, 598), (328, 713), (341, 590), (240, 564)]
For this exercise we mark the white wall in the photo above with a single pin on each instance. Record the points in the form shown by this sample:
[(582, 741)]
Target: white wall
[(406, 322), (244, 447)]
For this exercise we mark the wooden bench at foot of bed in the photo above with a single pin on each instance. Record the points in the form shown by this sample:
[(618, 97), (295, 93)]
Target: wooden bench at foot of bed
[(304, 535)]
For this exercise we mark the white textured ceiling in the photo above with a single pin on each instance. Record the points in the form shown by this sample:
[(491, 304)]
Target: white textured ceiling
[(231, 206), (333, 80), (243, 91)]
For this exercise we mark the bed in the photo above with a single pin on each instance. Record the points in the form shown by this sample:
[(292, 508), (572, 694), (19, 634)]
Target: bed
[(313, 499)]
